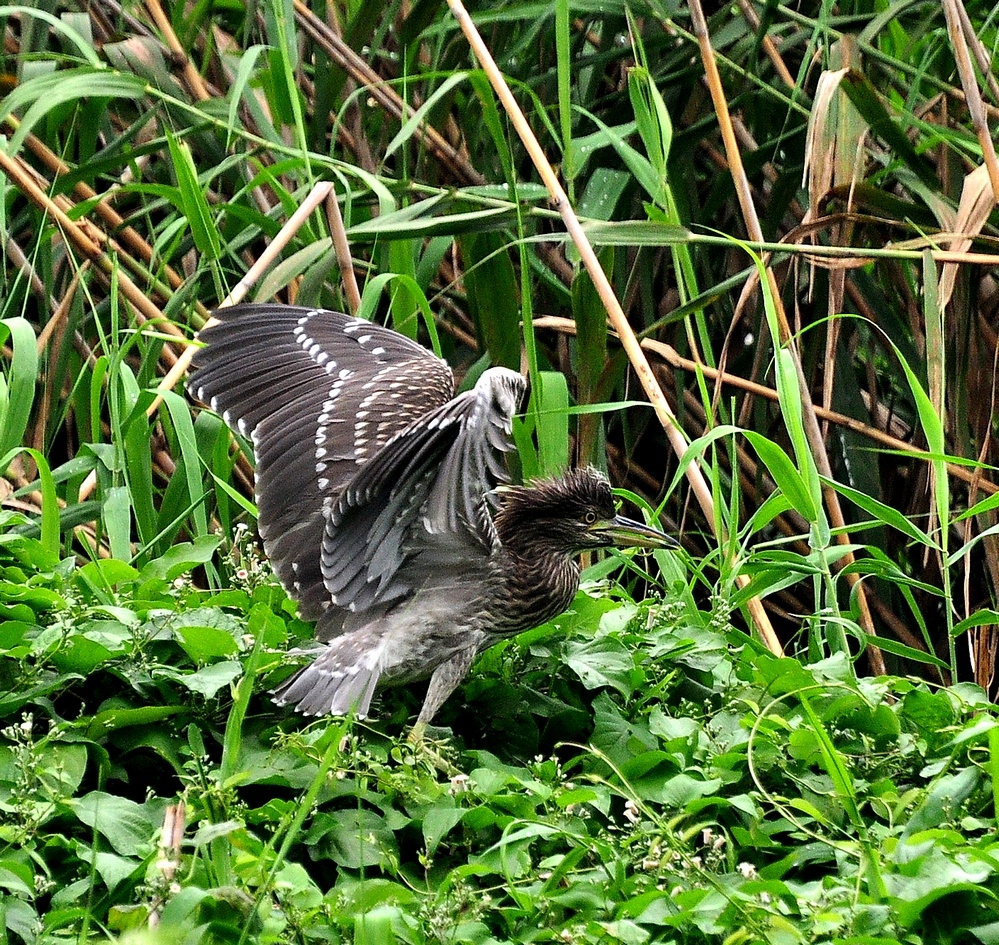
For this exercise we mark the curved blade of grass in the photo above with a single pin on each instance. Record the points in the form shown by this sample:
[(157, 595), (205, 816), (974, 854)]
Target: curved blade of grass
[(372, 292), (639, 165), (883, 513), (195, 207), (81, 44), (418, 117), (778, 463), (17, 384), (786, 475), (405, 224), (906, 652), (290, 268), (981, 618), (50, 502), (180, 414), (42, 94)]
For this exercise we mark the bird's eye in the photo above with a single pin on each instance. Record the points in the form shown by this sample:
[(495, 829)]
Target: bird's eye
[(590, 517)]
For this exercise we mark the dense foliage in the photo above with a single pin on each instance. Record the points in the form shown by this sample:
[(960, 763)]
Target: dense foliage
[(724, 791), (644, 769)]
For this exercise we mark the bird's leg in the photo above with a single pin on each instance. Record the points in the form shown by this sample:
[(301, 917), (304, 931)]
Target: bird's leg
[(442, 683)]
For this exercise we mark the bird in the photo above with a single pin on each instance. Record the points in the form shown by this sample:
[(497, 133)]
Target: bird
[(385, 504)]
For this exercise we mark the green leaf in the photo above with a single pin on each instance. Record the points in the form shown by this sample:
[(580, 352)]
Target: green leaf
[(206, 681), (129, 827), (438, 822), (883, 513), (353, 839), (17, 384), (206, 643), (47, 92), (193, 203), (552, 423), (493, 295), (181, 558), (602, 662), (654, 126), (785, 474)]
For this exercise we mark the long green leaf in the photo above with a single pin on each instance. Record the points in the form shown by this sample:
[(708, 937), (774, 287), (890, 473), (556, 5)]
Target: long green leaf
[(17, 386), (883, 513), (44, 93), (193, 202)]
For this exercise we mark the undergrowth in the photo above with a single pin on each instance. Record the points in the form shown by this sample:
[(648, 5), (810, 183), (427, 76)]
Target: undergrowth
[(658, 778)]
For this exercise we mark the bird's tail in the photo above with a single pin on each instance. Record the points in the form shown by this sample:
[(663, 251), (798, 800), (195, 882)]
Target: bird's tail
[(337, 682)]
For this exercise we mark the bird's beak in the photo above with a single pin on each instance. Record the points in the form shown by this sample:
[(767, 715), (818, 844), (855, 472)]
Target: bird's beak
[(627, 533)]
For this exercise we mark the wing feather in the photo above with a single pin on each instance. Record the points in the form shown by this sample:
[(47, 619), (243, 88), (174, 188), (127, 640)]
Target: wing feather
[(369, 470), (293, 380), (421, 499)]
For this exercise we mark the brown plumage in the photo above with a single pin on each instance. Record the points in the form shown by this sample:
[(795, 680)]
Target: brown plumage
[(382, 501)]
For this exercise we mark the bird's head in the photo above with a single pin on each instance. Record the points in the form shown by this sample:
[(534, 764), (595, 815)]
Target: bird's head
[(569, 514)]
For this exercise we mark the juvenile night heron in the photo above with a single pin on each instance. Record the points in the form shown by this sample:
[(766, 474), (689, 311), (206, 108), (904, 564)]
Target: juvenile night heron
[(382, 501)]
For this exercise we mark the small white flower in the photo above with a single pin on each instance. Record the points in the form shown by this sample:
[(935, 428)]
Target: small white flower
[(748, 870), (459, 784), (631, 811)]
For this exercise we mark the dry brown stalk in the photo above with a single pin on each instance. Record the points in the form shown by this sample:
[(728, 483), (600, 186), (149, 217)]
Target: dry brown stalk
[(89, 240), (192, 78), (755, 232), (606, 293), (972, 94)]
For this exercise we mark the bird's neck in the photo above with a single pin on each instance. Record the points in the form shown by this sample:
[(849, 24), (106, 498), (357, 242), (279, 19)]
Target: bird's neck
[(540, 584)]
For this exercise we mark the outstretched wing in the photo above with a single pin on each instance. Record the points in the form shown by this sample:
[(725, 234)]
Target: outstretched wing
[(319, 394), (423, 497)]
